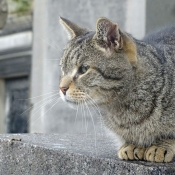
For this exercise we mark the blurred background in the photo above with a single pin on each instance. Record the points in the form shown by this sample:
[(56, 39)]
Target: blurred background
[(31, 45)]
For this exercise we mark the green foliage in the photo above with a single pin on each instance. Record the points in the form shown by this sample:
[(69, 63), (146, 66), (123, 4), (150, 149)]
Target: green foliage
[(23, 5)]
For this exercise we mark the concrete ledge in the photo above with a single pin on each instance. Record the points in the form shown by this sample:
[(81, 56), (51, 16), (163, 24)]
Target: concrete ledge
[(53, 154)]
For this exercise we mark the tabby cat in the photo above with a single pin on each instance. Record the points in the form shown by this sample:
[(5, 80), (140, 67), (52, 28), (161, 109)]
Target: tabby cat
[(132, 81)]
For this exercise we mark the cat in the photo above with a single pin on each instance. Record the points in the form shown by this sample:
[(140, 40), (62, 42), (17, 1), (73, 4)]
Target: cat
[(132, 82)]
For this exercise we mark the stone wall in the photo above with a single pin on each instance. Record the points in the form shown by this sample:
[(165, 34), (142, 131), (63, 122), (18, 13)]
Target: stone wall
[(54, 154)]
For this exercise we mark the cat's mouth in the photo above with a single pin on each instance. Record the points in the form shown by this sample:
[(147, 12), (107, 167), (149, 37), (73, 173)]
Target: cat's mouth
[(75, 102), (75, 98), (70, 100)]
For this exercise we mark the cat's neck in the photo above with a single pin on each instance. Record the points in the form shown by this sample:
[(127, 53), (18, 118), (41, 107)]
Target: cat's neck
[(140, 97)]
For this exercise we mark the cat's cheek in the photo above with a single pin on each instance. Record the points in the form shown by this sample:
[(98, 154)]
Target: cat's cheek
[(71, 105)]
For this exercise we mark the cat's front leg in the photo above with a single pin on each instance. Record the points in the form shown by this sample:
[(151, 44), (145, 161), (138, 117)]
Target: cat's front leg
[(131, 152), (162, 151)]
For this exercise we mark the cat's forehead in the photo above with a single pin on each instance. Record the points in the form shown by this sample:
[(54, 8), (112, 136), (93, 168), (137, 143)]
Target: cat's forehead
[(85, 37), (77, 51)]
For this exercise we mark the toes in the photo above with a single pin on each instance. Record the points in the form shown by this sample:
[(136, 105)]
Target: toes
[(139, 153), (126, 152), (168, 156), (158, 154), (150, 153)]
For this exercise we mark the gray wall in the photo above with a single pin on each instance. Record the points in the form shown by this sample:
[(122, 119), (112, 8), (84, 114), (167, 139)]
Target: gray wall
[(159, 13)]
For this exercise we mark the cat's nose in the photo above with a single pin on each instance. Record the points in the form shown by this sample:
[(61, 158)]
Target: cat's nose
[(64, 89)]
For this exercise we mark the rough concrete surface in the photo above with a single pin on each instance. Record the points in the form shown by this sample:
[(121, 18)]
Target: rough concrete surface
[(53, 154)]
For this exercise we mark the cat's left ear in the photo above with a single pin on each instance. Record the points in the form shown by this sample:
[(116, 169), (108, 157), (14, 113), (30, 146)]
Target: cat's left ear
[(72, 29), (109, 33)]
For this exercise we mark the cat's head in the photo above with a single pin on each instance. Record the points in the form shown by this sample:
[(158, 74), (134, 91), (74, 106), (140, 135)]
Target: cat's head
[(96, 65)]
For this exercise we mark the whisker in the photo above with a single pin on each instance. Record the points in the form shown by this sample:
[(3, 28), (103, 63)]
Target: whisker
[(52, 59), (52, 106), (96, 106), (56, 45), (82, 115), (45, 103), (76, 113), (93, 125), (39, 102), (55, 102), (40, 95), (58, 49), (86, 122), (39, 107)]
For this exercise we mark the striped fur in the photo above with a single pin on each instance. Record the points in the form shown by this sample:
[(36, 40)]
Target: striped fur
[(132, 81)]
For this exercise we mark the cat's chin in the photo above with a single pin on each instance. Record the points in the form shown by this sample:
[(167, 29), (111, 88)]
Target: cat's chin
[(71, 104)]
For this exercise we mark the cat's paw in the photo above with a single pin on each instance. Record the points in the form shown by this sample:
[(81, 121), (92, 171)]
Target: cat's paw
[(158, 154), (131, 152)]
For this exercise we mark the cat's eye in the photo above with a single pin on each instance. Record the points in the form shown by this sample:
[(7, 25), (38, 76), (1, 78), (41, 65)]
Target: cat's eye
[(83, 69)]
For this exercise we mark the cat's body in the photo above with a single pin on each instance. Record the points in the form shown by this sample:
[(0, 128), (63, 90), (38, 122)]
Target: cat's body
[(132, 81), (148, 110)]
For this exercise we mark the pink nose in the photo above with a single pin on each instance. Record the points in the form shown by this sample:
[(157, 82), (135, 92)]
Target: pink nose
[(64, 89)]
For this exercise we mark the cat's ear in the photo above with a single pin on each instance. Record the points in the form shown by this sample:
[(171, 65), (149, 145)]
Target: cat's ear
[(108, 32), (72, 29)]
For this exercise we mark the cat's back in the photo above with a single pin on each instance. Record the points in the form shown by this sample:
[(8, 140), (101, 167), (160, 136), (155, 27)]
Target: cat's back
[(165, 36)]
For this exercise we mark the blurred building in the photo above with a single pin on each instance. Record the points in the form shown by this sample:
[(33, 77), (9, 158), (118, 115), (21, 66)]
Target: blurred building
[(15, 67), (31, 45)]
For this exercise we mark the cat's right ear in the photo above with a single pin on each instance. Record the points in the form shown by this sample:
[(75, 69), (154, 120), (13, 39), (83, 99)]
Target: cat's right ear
[(108, 36), (108, 32), (72, 29)]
